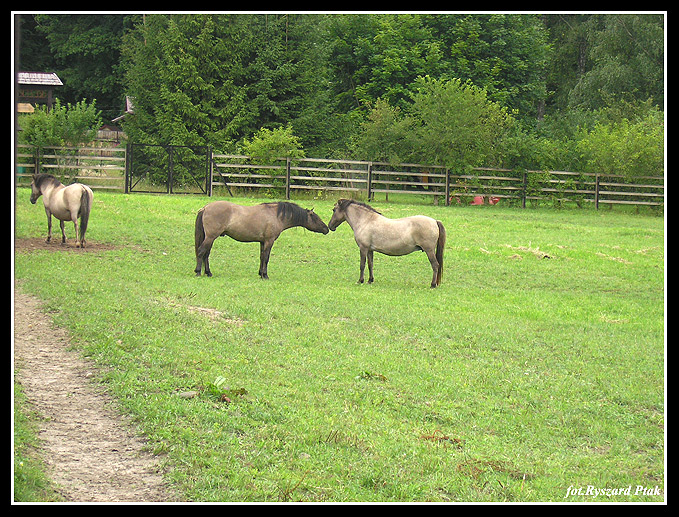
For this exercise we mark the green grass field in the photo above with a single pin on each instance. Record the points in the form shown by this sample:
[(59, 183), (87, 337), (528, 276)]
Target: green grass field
[(538, 365)]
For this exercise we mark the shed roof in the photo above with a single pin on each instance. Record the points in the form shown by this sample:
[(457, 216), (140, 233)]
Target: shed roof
[(45, 78)]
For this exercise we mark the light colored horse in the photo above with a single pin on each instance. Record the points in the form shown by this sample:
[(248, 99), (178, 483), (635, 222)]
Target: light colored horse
[(66, 203), (395, 237), (259, 223)]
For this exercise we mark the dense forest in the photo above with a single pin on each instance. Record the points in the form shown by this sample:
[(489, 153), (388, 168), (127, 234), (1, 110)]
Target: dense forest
[(567, 91)]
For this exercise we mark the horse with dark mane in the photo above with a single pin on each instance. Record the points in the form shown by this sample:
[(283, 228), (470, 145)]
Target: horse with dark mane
[(66, 203), (260, 223), (374, 232)]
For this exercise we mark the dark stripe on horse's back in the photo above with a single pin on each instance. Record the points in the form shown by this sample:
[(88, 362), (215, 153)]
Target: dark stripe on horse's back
[(292, 212), (344, 203), (42, 178)]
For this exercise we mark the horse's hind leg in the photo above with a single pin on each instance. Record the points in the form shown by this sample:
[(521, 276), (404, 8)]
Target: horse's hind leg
[(203, 256), (82, 233), (63, 233), (79, 242), (206, 261), (434, 266)]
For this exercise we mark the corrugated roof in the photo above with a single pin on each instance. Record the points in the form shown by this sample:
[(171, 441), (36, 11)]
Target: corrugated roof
[(47, 78)]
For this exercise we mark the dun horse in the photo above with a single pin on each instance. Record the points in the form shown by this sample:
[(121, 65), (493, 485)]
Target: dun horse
[(374, 232), (260, 223), (64, 203)]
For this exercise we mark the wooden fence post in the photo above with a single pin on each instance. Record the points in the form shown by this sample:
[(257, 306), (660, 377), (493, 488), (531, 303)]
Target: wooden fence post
[(596, 191), (210, 161), (287, 178), (447, 186), (525, 189), (370, 180), (128, 157), (37, 160)]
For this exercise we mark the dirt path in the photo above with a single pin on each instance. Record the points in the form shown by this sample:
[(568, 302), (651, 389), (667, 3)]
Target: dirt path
[(90, 451)]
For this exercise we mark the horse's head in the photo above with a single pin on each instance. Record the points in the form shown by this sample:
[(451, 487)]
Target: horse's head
[(338, 215), (315, 224), (42, 182), (35, 191)]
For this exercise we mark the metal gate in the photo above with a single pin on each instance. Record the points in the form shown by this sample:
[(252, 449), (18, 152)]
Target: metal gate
[(168, 169)]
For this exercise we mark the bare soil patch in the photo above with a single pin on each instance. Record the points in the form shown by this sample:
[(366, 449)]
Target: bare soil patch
[(27, 245), (89, 448)]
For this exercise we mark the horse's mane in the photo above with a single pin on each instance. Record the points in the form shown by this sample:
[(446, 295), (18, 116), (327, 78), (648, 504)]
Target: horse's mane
[(344, 203), (45, 179), (291, 212)]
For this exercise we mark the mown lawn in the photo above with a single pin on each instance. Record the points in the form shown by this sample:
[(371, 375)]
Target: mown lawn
[(538, 365)]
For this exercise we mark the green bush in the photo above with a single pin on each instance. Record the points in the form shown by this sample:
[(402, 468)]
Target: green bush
[(71, 125), (450, 122), (626, 148), (267, 145)]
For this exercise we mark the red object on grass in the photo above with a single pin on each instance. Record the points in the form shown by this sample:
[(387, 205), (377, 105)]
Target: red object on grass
[(481, 200)]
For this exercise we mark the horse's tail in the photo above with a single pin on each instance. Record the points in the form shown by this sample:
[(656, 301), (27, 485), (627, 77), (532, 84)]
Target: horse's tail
[(439, 250), (85, 207), (200, 231)]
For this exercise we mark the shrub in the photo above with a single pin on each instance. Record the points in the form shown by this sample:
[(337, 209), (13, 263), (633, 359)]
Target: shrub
[(268, 145), (72, 124), (626, 148)]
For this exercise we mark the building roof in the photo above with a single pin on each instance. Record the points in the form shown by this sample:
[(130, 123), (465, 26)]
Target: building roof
[(44, 78), (25, 107)]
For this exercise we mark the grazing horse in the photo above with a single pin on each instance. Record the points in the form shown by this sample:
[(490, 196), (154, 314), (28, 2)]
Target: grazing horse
[(260, 223), (64, 203), (395, 237)]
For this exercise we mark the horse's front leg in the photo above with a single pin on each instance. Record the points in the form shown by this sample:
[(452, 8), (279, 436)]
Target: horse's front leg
[(364, 254), (264, 253), (371, 278), (49, 225)]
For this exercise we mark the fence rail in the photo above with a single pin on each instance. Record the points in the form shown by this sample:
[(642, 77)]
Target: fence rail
[(99, 167), (105, 168), (372, 178)]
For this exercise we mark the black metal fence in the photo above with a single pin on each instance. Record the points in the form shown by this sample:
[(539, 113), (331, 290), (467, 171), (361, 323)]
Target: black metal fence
[(170, 169)]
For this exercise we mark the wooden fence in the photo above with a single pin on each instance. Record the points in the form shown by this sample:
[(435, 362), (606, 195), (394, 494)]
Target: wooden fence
[(370, 178), (105, 168), (98, 167)]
